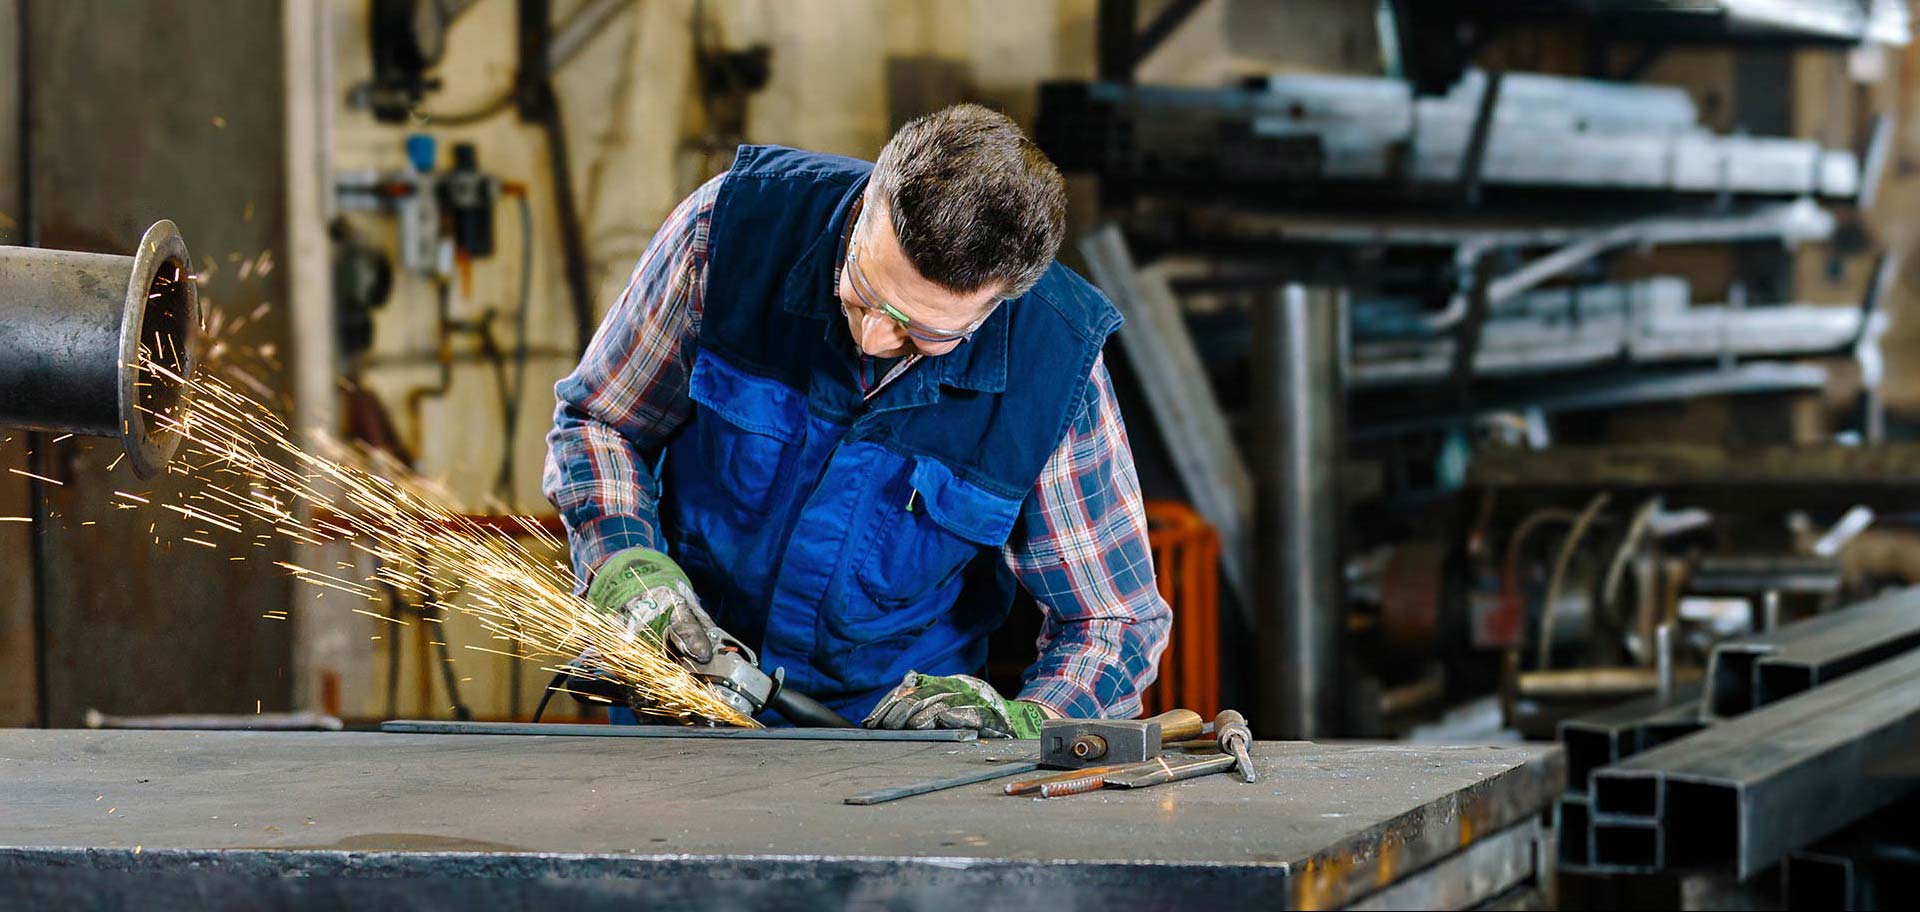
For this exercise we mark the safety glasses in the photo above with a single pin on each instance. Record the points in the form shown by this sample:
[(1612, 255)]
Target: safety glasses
[(870, 300)]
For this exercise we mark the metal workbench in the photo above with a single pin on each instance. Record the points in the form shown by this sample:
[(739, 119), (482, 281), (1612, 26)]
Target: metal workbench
[(231, 819)]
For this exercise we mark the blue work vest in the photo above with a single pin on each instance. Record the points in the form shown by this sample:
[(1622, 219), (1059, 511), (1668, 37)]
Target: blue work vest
[(852, 541)]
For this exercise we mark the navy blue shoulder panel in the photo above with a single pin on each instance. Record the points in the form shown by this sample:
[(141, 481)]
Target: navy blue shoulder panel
[(773, 242), (1077, 302)]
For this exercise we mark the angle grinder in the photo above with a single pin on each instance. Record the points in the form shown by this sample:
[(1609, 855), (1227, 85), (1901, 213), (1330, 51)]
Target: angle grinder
[(733, 675)]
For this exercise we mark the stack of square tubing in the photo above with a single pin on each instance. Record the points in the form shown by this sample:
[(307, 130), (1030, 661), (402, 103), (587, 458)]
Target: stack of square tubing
[(1803, 731)]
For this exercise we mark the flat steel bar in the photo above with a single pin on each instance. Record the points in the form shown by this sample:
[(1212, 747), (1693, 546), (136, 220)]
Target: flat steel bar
[(572, 730), (1749, 790), (882, 796)]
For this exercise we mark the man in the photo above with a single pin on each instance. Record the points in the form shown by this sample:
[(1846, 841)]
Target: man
[(841, 409)]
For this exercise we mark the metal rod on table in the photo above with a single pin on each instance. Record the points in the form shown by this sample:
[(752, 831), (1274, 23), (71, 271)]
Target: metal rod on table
[(563, 729), (881, 796), (1160, 771)]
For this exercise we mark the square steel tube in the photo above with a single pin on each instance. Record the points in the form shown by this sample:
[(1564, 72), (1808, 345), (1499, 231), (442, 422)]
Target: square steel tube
[(1750, 789), (1752, 671)]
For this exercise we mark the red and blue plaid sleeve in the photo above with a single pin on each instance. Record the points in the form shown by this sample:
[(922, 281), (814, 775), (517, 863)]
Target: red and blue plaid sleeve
[(1081, 551), (629, 394)]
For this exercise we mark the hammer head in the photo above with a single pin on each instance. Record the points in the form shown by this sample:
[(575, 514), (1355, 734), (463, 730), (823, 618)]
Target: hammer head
[(1083, 743)]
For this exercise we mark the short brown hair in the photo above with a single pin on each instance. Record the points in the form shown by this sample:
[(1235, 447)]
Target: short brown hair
[(973, 201)]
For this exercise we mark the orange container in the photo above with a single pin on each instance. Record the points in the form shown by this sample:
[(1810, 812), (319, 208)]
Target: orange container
[(1186, 563)]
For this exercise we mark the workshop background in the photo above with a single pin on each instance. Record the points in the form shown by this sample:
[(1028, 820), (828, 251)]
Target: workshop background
[(1489, 364)]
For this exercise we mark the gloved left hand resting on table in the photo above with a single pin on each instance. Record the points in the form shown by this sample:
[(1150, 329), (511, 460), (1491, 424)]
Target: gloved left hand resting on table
[(955, 701)]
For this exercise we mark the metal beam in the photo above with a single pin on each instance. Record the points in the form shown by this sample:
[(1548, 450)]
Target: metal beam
[(1572, 819), (1610, 735), (1756, 670), (1746, 792), (1625, 844), (571, 730), (1816, 474), (1185, 409), (1113, 23), (1874, 864), (1119, 48), (1583, 393), (1163, 24)]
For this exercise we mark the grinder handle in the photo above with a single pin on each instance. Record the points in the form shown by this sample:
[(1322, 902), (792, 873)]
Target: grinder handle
[(1179, 725)]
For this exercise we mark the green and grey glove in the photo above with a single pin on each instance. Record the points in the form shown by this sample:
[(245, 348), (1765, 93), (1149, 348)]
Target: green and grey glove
[(651, 591), (955, 701)]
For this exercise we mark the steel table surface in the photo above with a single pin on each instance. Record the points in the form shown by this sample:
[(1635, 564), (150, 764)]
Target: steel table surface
[(231, 819)]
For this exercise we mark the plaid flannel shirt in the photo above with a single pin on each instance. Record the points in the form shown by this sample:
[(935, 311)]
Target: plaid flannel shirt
[(1080, 546)]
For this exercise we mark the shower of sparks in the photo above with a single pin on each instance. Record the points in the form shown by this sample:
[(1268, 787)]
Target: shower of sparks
[(250, 480)]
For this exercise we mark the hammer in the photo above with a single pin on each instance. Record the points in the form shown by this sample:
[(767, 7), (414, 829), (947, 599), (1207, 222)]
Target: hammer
[(1083, 743)]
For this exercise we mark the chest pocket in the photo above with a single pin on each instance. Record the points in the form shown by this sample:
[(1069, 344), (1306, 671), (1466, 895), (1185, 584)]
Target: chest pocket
[(749, 432), (916, 554)]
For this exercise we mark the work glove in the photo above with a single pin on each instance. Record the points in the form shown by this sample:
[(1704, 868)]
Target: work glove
[(654, 596), (955, 701)]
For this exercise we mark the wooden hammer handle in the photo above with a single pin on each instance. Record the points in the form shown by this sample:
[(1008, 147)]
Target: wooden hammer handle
[(1179, 725)]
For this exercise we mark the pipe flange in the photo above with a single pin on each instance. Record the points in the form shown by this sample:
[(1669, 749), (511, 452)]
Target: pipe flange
[(162, 316)]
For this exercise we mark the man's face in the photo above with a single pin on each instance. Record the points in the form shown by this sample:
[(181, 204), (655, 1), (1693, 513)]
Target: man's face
[(879, 287)]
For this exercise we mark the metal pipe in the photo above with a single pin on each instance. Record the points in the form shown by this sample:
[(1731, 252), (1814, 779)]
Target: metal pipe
[(73, 327), (1300, 402), (1428, 691), (1663, 659), (1595, 683)]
